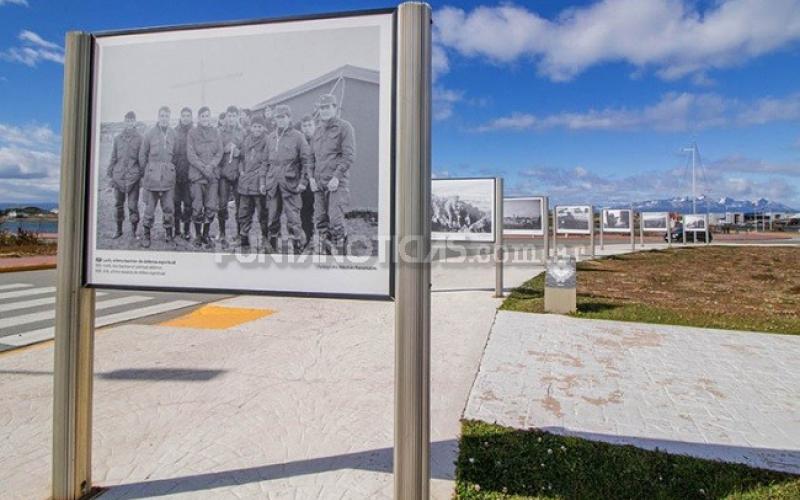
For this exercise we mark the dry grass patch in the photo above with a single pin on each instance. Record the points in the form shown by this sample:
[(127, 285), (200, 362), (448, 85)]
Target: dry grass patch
[(741, 288)]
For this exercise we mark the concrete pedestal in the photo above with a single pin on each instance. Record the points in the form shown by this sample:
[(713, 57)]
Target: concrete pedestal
[(560, 300)]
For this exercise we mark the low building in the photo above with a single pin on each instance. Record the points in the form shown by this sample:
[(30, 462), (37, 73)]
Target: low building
[(357, 90)]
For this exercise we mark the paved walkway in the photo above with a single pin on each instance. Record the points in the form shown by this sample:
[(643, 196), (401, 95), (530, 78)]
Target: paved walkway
[(732, 396), (298, 404)]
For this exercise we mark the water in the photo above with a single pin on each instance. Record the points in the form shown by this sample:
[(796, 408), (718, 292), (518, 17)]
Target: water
[(34, 226)]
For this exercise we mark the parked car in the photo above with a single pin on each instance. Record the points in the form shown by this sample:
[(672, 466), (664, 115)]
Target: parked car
[(691, 236)]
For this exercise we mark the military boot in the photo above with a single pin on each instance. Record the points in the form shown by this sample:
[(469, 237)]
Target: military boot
[(273, 245), (206, 239), (198, 235), (323, 245), (118, 233), (146, 237), (186, 231), (244, 244), (222, 240), (297, 247), (134, 226), (170, 237)]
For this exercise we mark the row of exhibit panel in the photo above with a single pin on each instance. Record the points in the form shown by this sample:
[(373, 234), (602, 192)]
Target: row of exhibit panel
[(463, 210)]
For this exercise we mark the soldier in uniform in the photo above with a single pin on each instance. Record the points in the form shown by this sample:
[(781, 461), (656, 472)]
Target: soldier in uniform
[(255, 154), (334, 153), (125, 172), (158, 181), (204, 151), (307, 126), (183, 196), (232, 140), (287, 176), (269, 119)]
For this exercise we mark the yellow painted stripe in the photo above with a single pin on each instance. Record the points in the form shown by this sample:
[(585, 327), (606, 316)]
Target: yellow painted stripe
[(217, 317)]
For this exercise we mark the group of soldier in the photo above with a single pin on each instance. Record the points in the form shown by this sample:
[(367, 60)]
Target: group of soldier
[(264, 162)]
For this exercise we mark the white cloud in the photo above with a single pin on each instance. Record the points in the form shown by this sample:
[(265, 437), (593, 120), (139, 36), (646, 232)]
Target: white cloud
[(743, 164), (581, 185), (673, 112), (29, 162), (23, 3), (670, 36), (34, 49), (29, 135), (443, 102)]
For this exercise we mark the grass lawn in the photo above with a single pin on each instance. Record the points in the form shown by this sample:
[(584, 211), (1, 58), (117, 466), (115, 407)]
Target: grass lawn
[(737, 288), (495, 462)]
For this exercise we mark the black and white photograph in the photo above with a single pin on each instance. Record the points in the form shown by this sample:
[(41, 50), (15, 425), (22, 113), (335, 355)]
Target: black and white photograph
[(654, 221), (695, 222), (245, 143), (463, 209), (617, 221), (574, 219), (523, 215)]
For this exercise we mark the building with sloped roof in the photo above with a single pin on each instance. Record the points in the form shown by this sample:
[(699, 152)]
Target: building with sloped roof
[(357, 90)]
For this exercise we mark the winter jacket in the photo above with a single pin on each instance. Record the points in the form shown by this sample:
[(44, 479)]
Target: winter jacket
[(229, 165), (181, 160), (156, 155), (290, 161), (204, 151), (334, 151), (123, 167), (254, 164)]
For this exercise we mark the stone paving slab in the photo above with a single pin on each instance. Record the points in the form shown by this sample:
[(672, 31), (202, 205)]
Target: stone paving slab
[(297, 404), (717, 394)]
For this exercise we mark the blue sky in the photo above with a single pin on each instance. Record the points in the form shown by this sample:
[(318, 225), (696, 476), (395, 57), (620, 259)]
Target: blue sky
[(585, 101)]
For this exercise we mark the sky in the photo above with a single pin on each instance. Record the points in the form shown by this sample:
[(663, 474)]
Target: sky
[(584, 101)]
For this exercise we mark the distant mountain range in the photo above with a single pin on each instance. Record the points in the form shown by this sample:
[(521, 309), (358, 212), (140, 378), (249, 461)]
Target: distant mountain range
[(705, 204), (44, 205)]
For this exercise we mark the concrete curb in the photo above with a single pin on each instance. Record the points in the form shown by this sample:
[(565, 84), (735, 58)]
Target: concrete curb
[(31, 267)]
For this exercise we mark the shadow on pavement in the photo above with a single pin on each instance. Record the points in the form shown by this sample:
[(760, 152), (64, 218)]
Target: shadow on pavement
[(380, 460)]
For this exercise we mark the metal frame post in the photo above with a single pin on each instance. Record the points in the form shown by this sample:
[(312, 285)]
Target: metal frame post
[(641, 230), (413, 271), (546, 227), (498, 240), (683, 225), (633, 235), (669, 231), (555, 230), (602, 232), (591, 226), (74, 322)]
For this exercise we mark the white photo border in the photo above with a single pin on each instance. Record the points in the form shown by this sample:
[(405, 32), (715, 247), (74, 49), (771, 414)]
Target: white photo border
[(470, 237), (589, 230), (382, 285), (662, 216), (702, 217), (607, 229), (528, 232)]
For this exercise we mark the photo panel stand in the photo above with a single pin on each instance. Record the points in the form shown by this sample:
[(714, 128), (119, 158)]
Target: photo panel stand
[(498, 240), (73, 370), (545, 229), (413, 268), (75, 303)]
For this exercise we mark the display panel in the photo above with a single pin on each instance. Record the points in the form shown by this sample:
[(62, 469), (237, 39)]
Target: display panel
[(695, 222), (523, 215), (654, 221), (463, 209), (617, 221), (574, 219), (243, 158)]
